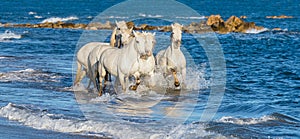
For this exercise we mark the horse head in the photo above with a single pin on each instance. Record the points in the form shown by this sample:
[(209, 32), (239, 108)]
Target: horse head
[(150, 43), (121, 34), (139, 44), (125, 36), (176, 35)]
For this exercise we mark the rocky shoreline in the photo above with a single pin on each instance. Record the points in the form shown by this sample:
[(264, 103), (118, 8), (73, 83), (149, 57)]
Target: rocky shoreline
[(213, 23)]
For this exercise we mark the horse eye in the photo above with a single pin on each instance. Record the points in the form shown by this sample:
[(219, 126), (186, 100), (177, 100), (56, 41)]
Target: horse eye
[(118, 29), (137, 42)]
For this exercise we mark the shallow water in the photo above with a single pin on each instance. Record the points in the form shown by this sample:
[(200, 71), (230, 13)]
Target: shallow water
[(261, 98)]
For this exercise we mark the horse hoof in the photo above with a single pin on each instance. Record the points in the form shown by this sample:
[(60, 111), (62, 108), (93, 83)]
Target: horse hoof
[(177, 84), (133, 87), (100, 94)]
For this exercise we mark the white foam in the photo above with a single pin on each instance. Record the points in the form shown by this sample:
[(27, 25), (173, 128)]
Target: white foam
[(195, 79), (31, 13), (38, 17), (115, 129), (117, 17), (151, 16), (28, 75), (56, 19), (246, 121), (142, 15), (255, 31), (192, 17), (155, 16), (7, 35)]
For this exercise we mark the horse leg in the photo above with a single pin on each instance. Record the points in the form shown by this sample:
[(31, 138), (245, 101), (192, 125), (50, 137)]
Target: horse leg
[(101, 76), (176, 82), (107, 76), (122, 81), (183, 73), (137, 83)]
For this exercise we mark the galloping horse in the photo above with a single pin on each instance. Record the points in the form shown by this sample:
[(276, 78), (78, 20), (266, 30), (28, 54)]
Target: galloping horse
[(124, 62), (172, 60), (84, 51), (147, 62), (95, 54)]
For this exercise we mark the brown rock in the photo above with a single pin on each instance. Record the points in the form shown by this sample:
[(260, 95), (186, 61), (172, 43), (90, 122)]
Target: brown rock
[(276, 29), (243, 17), (165, 28), (130, 24), (68, 25), (214, 20), (80, 26), (233, 23), (216, 23)]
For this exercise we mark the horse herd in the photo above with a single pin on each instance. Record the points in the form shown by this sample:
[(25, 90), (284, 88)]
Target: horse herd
[(130, 53)]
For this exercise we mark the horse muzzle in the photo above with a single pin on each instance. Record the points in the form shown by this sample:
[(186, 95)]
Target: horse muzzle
[(144, 57)]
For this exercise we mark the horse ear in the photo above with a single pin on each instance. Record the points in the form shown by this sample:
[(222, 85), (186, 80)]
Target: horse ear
[(154, 33), (172, 26), (131, 29), (134, 33)]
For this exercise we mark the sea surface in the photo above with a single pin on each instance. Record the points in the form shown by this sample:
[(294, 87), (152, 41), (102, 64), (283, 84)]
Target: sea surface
[(262, 88)]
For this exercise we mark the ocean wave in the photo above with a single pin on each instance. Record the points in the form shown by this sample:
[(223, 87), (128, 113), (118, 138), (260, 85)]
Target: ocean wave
[(150, 16), (38, 17), (255, 31), (192, 17), (56, 19), (28, 75), (250, 121), (8, 35), (245, 121), (31, 13), (41, 119)]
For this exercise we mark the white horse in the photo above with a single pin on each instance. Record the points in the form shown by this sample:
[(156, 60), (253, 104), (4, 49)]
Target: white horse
[(122, 63), (147, 62), (172, 60), (115, 39), (82, 60), (95, 54), (84, 51)]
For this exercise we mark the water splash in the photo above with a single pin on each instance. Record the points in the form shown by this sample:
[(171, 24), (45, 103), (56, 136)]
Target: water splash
[(9, 35)]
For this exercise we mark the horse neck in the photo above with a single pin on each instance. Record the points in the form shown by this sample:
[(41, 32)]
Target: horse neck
[(130, 49), (173, 46)]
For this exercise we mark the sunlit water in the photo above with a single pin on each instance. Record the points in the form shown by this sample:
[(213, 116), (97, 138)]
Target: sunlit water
[(261, 98)]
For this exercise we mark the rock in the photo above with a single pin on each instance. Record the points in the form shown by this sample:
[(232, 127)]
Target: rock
[(216, 23), (91, 28), (243, 17), (194, 27), (233, 23), (277, 29), (80, 26), (165, 28), (7, 25), (130, 24), (279, 17), (68, 25), (214, 20)]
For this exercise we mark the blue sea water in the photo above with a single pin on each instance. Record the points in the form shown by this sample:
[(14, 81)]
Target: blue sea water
[(261, 98)]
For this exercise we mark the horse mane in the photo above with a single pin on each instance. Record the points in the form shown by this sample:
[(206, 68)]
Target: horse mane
[(113, 38)]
